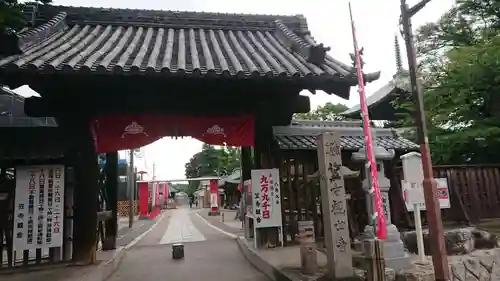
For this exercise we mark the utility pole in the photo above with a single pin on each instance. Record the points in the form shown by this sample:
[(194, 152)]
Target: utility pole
[(437, 243), (154, 170), (131, 188)]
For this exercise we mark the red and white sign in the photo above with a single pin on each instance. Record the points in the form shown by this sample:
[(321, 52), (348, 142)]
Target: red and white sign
[(413, 193), (120, 132)]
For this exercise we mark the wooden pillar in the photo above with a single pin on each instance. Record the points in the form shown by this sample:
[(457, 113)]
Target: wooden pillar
[(86, 192), (111, 170), (246, 174)]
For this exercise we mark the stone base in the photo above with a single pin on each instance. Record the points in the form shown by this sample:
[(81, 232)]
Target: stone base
[(211, 213), (398, 263), (395, 255), (458, 241)]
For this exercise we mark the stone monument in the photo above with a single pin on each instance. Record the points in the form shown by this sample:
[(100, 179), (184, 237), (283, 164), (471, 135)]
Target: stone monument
[(395, 255)]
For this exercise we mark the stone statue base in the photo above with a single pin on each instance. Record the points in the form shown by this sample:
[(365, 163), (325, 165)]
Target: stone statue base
[(211, 213), (395, 255)]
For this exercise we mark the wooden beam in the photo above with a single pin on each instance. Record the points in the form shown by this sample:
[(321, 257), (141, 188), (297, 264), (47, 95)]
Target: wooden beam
[(86, 193), (104, 216), (111, 171)]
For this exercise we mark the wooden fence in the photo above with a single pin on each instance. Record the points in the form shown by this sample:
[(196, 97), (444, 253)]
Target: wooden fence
[(474, 195), (476, 186)]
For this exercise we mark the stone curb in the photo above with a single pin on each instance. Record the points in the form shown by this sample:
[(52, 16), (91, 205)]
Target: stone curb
[(263, 266), (103, 271), (110, 266)]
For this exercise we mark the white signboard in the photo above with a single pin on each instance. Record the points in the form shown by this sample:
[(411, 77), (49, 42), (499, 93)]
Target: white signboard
[(266, 201), (413, 193), (39, 207), (214, 202)]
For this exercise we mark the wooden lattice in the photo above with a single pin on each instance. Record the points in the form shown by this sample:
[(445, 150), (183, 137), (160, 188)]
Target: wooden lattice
[(123, 207)]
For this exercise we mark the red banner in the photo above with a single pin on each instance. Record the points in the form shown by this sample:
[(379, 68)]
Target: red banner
[(120, 132), (144, 199), (214, 195)]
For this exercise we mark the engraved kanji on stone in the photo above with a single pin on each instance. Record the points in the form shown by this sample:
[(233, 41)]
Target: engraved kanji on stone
[(340, 225), (333, 148), (341, 244), (337, 207), (334, 170)]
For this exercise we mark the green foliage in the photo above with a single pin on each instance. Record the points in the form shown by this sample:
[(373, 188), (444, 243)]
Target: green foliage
[(181, 187), (211, 161), (459, 59), (11, 16), (327, 112)]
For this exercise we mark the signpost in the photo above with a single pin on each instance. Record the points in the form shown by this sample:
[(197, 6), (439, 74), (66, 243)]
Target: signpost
[(413, 195), (38, 207), (266, 201)]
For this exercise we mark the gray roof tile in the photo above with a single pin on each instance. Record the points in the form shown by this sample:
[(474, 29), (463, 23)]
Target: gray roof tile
[(301, 135), (80, 39), (399, 82)]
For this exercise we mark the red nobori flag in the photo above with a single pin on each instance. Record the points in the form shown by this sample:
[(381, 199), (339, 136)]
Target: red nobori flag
[(375, 188)]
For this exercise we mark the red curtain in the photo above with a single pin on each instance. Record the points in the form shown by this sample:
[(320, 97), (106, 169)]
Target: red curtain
[(119, 132)]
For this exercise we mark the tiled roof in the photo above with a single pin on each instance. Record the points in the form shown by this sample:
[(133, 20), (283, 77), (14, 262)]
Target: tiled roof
[(386, 94), (301, 135), (12, 112), (118, 41)]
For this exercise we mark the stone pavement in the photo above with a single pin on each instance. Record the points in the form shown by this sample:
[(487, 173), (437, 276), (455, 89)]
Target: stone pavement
[(209, 254), (127, 235), (229, 225), (106, 260)]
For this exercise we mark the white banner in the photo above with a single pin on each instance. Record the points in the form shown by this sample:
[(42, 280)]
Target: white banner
[(214, 202), (266, 198), (38, 207)]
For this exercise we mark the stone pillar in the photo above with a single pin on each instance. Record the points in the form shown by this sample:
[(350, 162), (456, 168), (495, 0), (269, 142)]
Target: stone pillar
[(308, 255), (395, 254), (334, 207)]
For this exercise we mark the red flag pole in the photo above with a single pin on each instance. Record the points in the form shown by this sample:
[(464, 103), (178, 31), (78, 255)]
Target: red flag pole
[(374, 188)]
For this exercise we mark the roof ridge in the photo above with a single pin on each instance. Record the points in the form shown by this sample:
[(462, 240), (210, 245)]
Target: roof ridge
[(179, 11), (150, 15), (329, 123), (35, 35)]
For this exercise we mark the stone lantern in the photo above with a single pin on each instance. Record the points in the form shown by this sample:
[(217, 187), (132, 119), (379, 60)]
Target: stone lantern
[(395, 254)]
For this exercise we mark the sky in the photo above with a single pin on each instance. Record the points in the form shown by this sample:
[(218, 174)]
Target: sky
[(328, 20)]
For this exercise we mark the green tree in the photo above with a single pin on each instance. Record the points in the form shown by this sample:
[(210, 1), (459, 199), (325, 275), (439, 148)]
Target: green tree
[(461, 70), (211, 161), (11, 16), (326, 112)]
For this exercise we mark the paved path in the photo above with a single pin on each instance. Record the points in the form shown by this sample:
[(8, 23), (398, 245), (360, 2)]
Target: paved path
[(209, 254), (181, 229), (229, 225)]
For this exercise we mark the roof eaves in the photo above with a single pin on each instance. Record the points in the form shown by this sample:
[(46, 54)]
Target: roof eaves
[(397, 83), (306, 130)]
